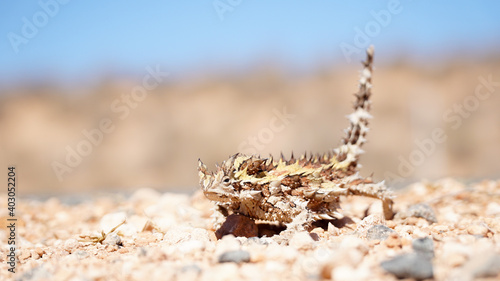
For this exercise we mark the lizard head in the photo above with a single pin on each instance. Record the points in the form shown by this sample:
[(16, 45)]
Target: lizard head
[(236, 179), (219, 185)]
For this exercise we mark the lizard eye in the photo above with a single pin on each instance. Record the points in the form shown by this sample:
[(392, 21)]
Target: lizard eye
[(225, 180)]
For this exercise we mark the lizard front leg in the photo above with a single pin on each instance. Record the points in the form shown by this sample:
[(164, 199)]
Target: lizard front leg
[(219, 216)]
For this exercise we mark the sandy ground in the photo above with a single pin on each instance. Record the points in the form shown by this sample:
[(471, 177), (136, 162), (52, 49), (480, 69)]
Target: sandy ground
[(443, 229)]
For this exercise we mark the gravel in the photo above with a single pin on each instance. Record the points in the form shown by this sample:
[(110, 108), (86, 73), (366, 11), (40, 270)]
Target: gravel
[(237, 256), (416, 265), (421, 211), (379, 232), (413, 265), (168, 236), (424, 246)]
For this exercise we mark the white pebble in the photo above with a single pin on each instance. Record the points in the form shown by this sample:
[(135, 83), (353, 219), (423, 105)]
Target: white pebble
[(302, 240), (110, 221), (70, 244)]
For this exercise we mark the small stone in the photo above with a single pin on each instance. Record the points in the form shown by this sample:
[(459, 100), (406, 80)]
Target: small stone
[(368, 222), (200, 234), (393, 241), (191, 246), (477, 229), (70, 244), (80, 254), (422, 211), (39, 251), (237, 256), (413, 265), (148, 226), (421, 232), (302, 240), (165, 222), (113, 239), (177, 234), (413, 221), (226, 244), (238, 225), (110, 221), (333, 230), (424, 246), (390, 224), (378, 232)]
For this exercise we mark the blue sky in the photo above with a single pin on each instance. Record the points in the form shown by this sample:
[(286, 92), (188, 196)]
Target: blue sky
[(85, 38)]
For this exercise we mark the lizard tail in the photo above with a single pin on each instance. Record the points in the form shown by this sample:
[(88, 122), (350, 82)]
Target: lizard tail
[(350, 149)]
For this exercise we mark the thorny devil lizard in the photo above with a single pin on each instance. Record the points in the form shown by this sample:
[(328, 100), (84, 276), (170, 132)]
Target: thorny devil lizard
[(298, 192)]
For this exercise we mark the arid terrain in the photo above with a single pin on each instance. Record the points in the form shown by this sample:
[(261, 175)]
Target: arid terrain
[(107, 194), (444, 230)]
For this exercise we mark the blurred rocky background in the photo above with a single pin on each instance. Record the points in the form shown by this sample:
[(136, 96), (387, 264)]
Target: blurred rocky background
[(69, 127)]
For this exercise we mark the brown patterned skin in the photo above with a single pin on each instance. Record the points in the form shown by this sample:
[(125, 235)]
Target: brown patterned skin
[(297, 192)]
